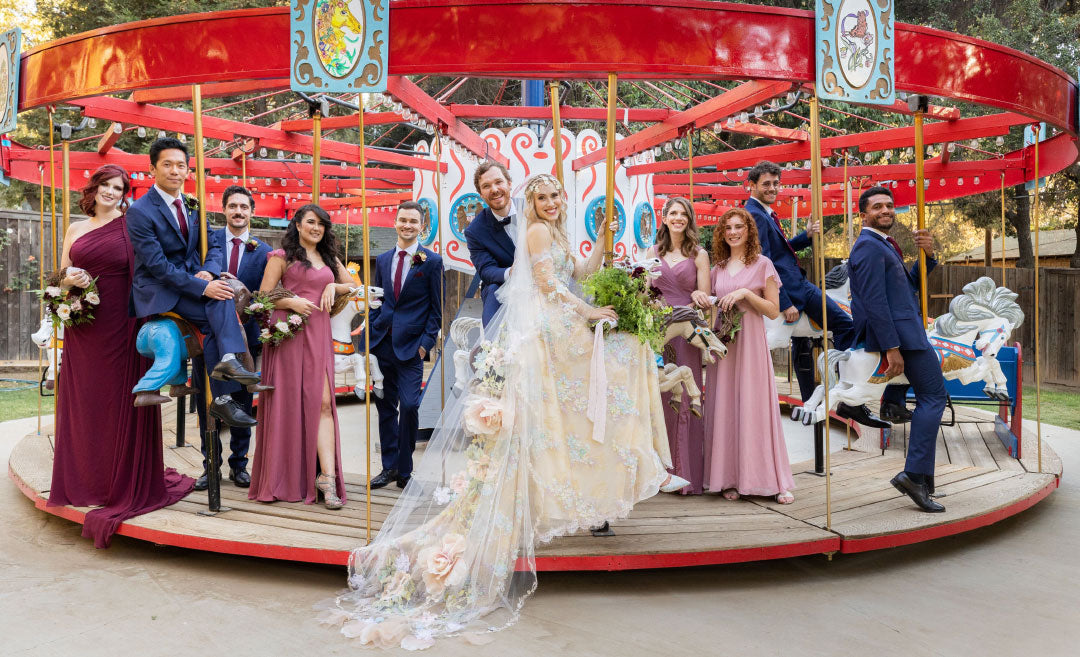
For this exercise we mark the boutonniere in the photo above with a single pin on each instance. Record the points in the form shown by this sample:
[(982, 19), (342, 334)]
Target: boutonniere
[(419, 258), (191, 203), (251, 244)]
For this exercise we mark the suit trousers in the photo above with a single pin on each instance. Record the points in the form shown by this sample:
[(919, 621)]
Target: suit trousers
[(224, 333), (239, 437), (399, 408), (840, 326), (924, 373)]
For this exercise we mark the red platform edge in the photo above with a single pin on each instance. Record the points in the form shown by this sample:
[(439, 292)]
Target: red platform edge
[(552, 564)]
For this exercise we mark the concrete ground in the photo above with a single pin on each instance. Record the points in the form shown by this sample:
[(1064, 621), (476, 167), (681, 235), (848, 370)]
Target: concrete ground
[(1009, 589)]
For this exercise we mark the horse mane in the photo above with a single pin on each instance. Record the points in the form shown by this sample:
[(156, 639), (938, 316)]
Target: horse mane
[(685, 314), (837, 276), (981, 299)]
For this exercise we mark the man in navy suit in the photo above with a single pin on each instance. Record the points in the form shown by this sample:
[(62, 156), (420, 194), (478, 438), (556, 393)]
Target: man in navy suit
[(490, 237), (243, 257), (403, 332), (887, 320), (798, 294), (171, 277)]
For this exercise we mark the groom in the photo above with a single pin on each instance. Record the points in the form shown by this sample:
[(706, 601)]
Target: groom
[(490, 237), (171, 277), (403, 332)]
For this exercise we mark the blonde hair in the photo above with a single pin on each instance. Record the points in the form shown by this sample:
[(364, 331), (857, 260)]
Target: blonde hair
[(558, 228)]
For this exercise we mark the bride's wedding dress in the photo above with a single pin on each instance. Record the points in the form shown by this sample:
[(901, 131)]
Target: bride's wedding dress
[(513, 463)]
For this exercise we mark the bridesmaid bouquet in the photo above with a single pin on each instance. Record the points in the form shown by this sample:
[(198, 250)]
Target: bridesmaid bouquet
[(69, 307), (729, 325), (260, 309), (636, 303)]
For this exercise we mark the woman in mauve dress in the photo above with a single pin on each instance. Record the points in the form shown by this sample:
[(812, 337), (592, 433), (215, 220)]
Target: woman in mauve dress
[(745, 453), (108, 452), (683, 281)]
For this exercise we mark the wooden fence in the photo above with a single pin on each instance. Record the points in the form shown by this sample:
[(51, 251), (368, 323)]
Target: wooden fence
[(19, 309)]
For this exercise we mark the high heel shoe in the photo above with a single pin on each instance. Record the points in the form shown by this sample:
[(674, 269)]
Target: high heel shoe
[(674, 484), (327, 485)]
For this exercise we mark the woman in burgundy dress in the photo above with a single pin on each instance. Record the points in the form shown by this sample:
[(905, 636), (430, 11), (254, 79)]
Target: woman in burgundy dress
[(298, 444), (683, 281), (108, 453)]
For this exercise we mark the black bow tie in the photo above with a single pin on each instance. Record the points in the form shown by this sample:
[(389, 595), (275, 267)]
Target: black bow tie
[(504, 222)]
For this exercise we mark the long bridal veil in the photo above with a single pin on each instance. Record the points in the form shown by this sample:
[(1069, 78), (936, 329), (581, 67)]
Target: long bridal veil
[(456, 552)]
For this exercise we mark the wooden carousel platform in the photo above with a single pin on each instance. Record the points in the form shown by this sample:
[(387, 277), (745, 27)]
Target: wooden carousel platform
[(981, 482)]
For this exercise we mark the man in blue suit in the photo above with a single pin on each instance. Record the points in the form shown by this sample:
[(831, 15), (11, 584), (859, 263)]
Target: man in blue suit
[(490, 237), (887, 320), (403, 332), (798, 294), (243, 257), (171, 277)]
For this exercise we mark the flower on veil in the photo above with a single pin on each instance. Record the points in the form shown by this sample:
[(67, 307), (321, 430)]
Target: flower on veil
[(458, 483), (398, 588), (484, 416), (442, 564), (442, 495), (478, 467)]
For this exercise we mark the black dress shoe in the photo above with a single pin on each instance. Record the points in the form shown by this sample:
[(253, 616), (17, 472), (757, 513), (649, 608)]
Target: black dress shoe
[(203, 482), (895, 413), (240, 477), (232, 370), (403, 481), (919, 493), (862, 415), (231, 413), (383, 478)]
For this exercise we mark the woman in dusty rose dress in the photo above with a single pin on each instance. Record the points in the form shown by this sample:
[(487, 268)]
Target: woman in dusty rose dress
[(745, 452), (108, 452), (297, 443), (683, 281)]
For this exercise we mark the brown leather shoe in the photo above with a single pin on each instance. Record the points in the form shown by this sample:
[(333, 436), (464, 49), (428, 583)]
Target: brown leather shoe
[(232, 370), (150, 398), (182, 391)]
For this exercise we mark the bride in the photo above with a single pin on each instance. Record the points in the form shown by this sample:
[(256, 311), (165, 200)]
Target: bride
[(560, 429)]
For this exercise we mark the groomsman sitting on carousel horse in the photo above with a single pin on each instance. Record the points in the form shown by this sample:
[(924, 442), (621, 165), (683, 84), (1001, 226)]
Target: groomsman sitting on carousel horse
[(490, 237), (170, 277), (887, 320), (403, 332), (243, 257), (796, 293)]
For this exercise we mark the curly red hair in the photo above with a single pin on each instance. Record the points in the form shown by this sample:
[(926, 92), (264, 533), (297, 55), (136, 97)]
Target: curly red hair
[(105, 172), (720, 249)]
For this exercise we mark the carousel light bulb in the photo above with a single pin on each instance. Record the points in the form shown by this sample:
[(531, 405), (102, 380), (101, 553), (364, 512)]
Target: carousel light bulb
[(262, 152), (678, 142), (743, 117), (281, 155), (976, 180), (806, 164), (161, 134), (774, 105), (92, 123), (759, 112), (730, 122), (117, 128), (911, 183), (926, 183), (141, 132), (974, 143), (283, 182), (959, 181), (342, 165), (868, 159), (790, 98), (217, 179), (182, 137), (667, 147), (1000, 141), (941, 182), (85, 173), (951, 147), (268, 182), (263, 195), (297, 157)]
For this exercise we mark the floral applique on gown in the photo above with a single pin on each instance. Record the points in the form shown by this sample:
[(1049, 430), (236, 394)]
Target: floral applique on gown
[(512, 464)]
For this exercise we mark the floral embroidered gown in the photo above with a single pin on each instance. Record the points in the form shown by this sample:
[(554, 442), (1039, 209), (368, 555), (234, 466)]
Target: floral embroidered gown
[(513, 463)]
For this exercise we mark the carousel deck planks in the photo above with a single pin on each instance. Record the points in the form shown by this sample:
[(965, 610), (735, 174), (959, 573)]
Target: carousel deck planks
[(981, 483)]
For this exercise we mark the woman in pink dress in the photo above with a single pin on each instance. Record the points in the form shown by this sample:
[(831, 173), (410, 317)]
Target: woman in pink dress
[(745, 452), (297, 443), (683, 281), (108, 452)]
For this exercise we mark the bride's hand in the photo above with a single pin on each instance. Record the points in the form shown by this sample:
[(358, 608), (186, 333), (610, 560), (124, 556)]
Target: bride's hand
[(606, 312)]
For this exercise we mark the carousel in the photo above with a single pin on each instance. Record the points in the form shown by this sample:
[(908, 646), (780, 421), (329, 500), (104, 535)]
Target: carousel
[(658, 126)]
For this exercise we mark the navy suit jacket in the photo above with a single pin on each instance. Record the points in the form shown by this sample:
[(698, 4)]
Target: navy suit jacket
[(250, 273), (165, 266), (492, 253), (774, 246), (884, 302), (414, 318)]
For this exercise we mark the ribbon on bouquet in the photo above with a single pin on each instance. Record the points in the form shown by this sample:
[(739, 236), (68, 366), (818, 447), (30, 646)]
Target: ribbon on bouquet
[(597, 409)]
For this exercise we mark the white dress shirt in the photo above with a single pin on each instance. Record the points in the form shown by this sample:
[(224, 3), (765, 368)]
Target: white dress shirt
[(406, 266)]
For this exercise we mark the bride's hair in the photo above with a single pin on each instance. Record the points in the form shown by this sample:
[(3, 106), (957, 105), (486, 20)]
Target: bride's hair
[(558, 229)]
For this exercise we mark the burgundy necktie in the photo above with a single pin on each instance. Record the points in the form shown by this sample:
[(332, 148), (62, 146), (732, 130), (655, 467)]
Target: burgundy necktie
[(397, 273), (181, 218), (895, 245), (234, 257), (780, 227)]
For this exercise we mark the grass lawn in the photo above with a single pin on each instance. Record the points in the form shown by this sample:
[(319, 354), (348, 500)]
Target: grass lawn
[(15, 404), (1059, 408)]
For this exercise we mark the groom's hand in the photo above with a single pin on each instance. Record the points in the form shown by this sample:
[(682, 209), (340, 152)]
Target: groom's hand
[(218, 290), (205, 275)]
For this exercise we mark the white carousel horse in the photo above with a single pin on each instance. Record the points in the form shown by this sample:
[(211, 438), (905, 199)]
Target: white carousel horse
[(346, 357), (966, 339), (43, 338), (460, 330), (778, 333)]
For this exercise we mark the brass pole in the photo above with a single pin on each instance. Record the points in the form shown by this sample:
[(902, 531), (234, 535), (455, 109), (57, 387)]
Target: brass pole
[(848, 234), (920, 208), (41, 281), (819, 256), (57, 250), (609, 188), (366, 247), (1003, 229), (243, 168), (65, 174), (1038, 303), (794, 231), (556, 124), (316, 156), (690, 164), (442, 296)]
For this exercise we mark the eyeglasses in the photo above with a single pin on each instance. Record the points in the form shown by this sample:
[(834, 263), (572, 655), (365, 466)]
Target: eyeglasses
[(770, 184)]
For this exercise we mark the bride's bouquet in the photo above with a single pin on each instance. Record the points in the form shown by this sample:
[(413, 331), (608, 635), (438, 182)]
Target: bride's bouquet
[(636, 303)]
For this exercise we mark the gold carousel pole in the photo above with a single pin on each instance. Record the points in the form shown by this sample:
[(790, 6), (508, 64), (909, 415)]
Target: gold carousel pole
[(794, 231), (442, 296), (316, 156), (1003, 283), (243, 167), (57, 250), (819, 257), (690, 163), (556, 125), (366, 247), (41, 281), (920, 206), (65, 175), (848, 234), (609, 187), (1038, 303)]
